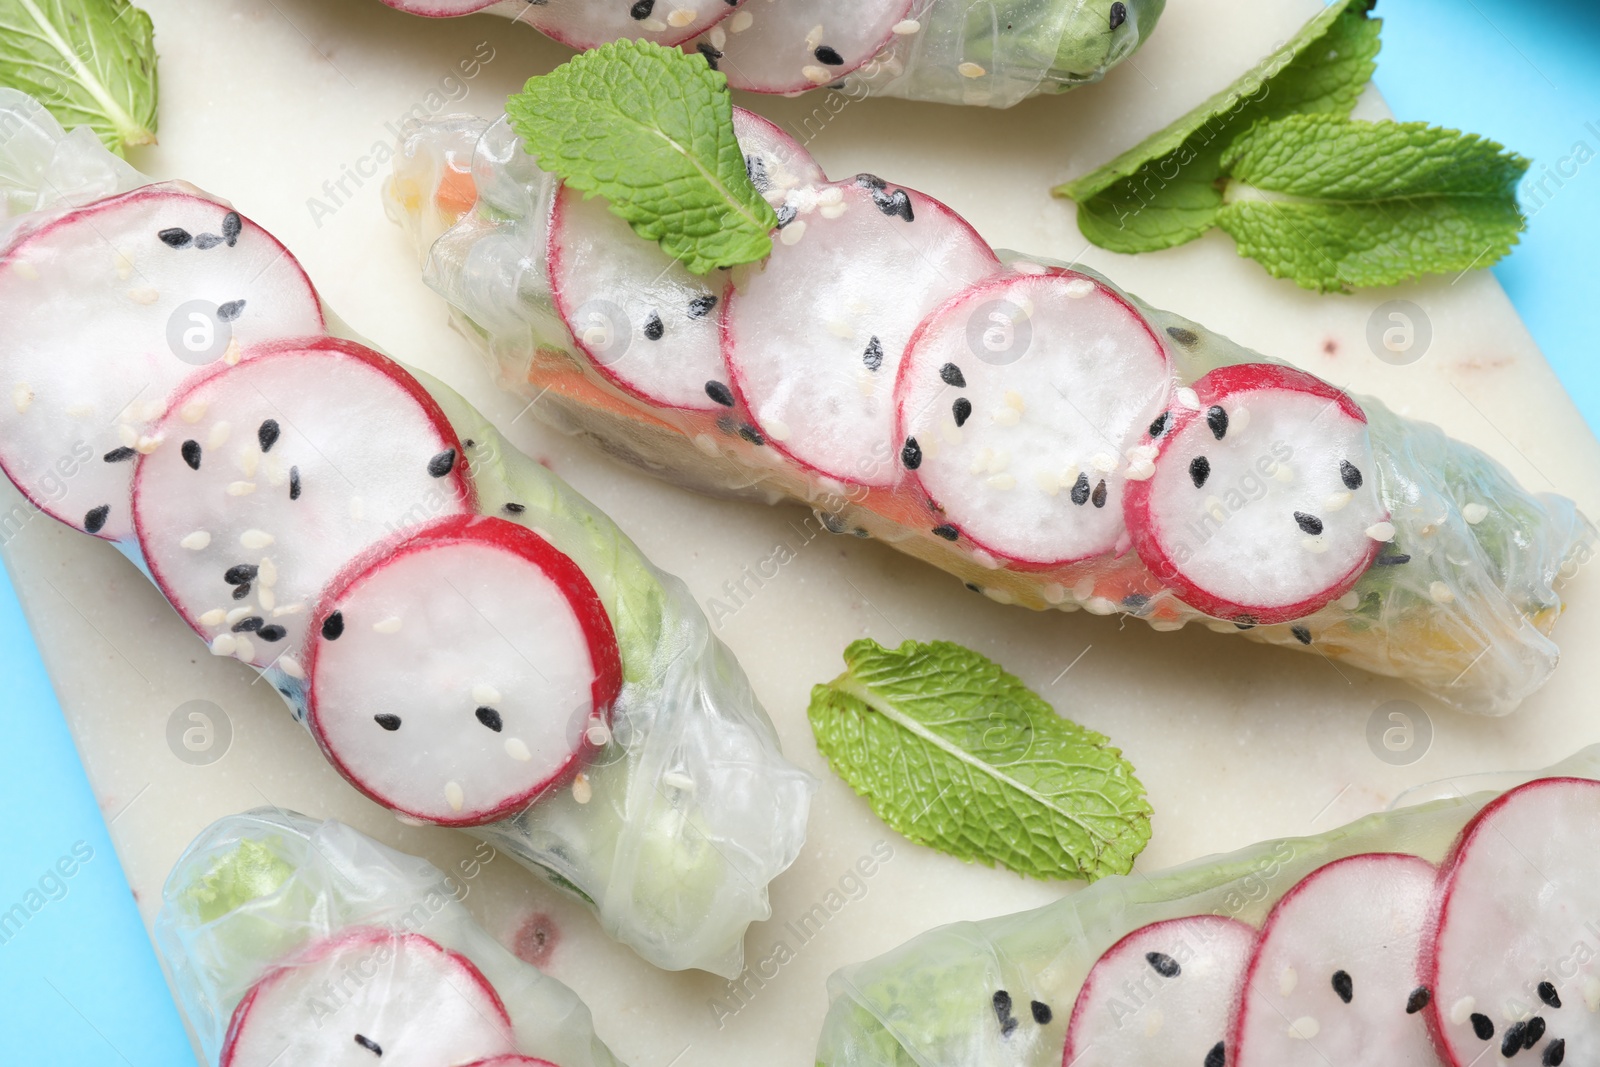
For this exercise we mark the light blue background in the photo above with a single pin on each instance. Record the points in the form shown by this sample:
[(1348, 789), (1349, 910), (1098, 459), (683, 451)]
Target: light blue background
[(80, 986)]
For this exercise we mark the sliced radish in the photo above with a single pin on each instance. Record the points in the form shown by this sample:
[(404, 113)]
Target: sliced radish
[(814, 340), (106, 312), (1264, 502), (1161, 995), (513, 1060), (788, 46), (1513, 962), (775, 161), (461, 674), (1019, 402), (584, 24), (1334, 976), (369, 996), (278, 472), (440, 9)]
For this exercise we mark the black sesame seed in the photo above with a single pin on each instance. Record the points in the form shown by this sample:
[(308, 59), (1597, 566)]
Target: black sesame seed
[(176, 237), (962, 410), (369, 1044), (490, 718), (1343, 985), (895, 204), (1350, 473), (1308, 523), (294, 483), (786, 215), (241, 591), (1511, 1040), (333, 626), (873, 356), (1162, 423), (1418, 1000), (641, 9), (1164, 965), (710, 53), (720, 393), (1041, 1012), (191, 454), (240, 573), (756, 167), (911, 454), (653, 327), (948, 532), (268, 433), (388, 722), (205, 242), (1119, 14), (272, 632), (231, 227), (1184, 337), (751, 434), (94, 519), (1482, 1025), (1002, 1005), (1080, 489), (1098, 499), (1136, 603), (1218, 1056), (1555, 1052), (702, 305), (514, 509), (1534, 1032), (443, 463), (1244, 622), (1548, 994), (833, 523), (1199, 471), (974, 586), (871, 181), (231, 310), (117, 455), (250, 625), (1009, 1027), (1392, 561), (1301, 634), (828, 56), (1217, 419), (951, 374)]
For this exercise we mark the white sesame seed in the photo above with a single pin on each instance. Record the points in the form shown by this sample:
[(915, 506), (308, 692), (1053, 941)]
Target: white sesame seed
[(1288, 980), (287, 609), (1103, 462), (192, 411), (241, 488), (483, 693), (1005, 416), (582, 791), (214, 617), (1381, 531), (253, 538), (267, 572), (268, 599), (680, 17), (906, 27), (195, 541), (1336, 501), (517, 749), (238, 613), (1014, 399), (1474, 513), (1350, 601), (1591, 992), (776, 429), (276, 470), (454, 796), (980, 462), (740, 22), (143, 295), (1188, 398), (971, 70), (679, 781), (232, 353), (1462, 1009), (127, 435), (999, 460), (1027, 266), (122, 263), (391, 625), (146, 444), (813, 38), (224, 644), (1099, 605), (21, 397), (1304, 1028), (718, 37), (816, 75), (25, 270), (1284, 473), (291, 666), (1078, 288), (1441, 593), (652, 25), (1139, 470), (243, 650), (80, 411), (1054, 592), (219, 434), (248, 459)]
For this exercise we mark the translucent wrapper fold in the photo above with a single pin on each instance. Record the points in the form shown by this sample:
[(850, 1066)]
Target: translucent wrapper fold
[(256, 890), (690, 809), (930, 1002), (1469, 619)]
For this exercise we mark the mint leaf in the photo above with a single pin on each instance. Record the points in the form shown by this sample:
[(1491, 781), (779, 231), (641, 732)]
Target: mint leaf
[(91, 62), (650, 129), (1163, 191), (955, 753), (1333, 202)]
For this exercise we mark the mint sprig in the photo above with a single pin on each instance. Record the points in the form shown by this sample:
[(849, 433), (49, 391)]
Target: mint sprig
[(90, 62), (955, 753), (1332, 202), (650, 129)]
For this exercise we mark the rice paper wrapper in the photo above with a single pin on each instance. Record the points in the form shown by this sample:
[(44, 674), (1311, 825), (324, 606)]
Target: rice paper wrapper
[(1468, 619), (690, 809), (930, 1002), (254, 891)]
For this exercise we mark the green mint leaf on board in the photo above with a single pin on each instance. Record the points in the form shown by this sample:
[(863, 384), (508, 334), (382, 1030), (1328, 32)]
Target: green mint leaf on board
[(1164, 191), (956, 754), (90, 62), (650, 129), (1333, 202)]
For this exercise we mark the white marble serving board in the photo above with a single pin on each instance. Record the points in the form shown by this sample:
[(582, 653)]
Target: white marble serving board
[(265, 101)]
